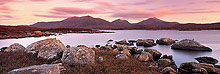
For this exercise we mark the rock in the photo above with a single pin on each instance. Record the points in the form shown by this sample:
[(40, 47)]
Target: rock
[(16, 47), (82, 46), (191, 67), (209, 67), (106, 48), (121, 47), (3, 48), (39, 69), (78, 56), (217, 66), (208, 60), (97, 46), (47, 33), (144, 56), (39, 33), (164, 62), (122, 42), (48, 49), (121, 56), (100, 59), (132, 41), (188, 44), (168, 70), (167, 57), (134, 50), (68, 46), (110, 40), (115, 51), (127, 52), (165, 41), (145, 43), (217, 70), (156, 54)]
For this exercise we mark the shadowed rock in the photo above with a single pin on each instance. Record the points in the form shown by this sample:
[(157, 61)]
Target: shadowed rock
[(168, 70), (16, 47), (208, 60), (191, 68), (188, 44), (156, 54)]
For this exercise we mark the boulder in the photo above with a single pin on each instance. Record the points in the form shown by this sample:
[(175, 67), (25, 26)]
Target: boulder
[(191, 68), (145, 43), (106, 48), (39, 69), (3, 48), (127, 52), (121, 47), (82, 46), (168, 70), (121, 56), (48, 49), (164, 62), (122, 42), (165, 41), (38, 33), (16, 47), (208, 60), (47, 33), (144, 56), (188, 44), (97, 46), (68, 46), (209, 67), (156, 54), (78, 56)]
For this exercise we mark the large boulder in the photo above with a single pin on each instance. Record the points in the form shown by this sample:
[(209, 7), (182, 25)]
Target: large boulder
[(16, 47), (144, 56), (48, 49), (39, 69), (78, 56), (188, 44), (156, 54), (208, 60), (145, 42), (165, 41), (191, 68)]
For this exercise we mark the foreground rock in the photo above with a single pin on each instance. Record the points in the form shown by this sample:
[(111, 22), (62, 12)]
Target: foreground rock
[(121, 56), (39, 69), (145, 43), (165, 41), (48, 49), (191, 68), (188, 44), (144, 56), (208, 60), (168, 70), (156, 54), (79, 56), (16, 47)]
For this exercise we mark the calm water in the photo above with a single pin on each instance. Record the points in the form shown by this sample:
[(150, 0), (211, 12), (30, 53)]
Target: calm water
[(208, 38)]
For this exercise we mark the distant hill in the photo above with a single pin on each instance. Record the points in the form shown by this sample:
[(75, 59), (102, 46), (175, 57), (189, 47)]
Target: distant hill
[(121, 22), (156, 21)]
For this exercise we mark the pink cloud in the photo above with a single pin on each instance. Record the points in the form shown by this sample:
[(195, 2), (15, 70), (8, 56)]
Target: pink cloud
[(6, 16), (138, 14), (38, 0), (2, 2), (74, 10), (51, 16), (5, 9), (82, 0), (213, 1)]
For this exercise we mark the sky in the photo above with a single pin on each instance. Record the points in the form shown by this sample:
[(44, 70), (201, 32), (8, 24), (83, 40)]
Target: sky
[(26, 12)]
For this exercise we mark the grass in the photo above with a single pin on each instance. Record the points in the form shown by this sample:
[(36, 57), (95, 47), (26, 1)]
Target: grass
[(110, 65)]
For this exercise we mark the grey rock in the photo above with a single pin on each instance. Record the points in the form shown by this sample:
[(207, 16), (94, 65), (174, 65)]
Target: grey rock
[(188, 44), (78, 56), (165, 41), (48, 49), (145, 43), (39, 69), (16, 47)]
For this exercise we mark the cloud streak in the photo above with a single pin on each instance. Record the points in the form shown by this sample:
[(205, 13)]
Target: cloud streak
[(51, 16), (74, 10)]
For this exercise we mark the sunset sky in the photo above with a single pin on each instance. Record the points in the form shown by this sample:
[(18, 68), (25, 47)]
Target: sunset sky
[(26, 12)]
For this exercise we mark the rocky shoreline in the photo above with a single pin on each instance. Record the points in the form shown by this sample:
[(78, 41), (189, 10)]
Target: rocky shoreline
[(111, 58)]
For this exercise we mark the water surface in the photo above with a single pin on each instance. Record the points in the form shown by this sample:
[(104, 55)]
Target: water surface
[(209, 38)]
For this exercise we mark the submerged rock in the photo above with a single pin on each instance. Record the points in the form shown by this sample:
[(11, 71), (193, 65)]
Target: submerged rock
[(16, 47), (145, 43), (78, 56), (188, 44), (208, 60), (165, 41), (39, 69), (48, 49)]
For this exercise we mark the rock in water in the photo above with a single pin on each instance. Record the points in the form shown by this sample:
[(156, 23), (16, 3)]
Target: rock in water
[(39, 69), (208, 60), (146, 43), (79, 56), (165, 41), (48, 49), (191, 68), (188, 44), (16, 47), (122, 42)]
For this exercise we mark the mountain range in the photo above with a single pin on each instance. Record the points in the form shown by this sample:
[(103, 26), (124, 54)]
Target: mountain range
[(154, 23)]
